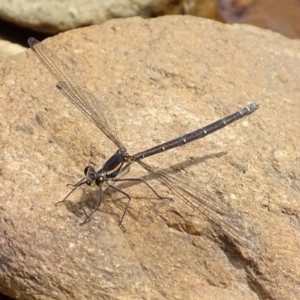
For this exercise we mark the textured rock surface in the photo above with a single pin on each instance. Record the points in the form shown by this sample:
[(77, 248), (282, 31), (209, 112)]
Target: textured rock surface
[(161, 78)]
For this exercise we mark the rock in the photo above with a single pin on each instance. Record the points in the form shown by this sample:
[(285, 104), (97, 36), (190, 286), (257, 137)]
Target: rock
[(56, 16), (8, 49), (161, 78)]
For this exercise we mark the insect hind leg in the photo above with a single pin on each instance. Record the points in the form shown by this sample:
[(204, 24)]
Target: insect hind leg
[(127, 195)]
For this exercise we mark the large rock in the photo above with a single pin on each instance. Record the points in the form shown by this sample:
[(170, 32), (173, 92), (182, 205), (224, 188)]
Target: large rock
[(56, 15), (161, 78), (8, 49)]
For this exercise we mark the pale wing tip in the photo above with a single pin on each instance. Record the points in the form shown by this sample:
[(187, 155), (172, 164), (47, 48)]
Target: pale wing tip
[(253, 106), (32, 41)]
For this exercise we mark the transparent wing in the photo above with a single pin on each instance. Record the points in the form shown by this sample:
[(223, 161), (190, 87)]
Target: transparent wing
[(77, 93), (94, 109), (229, 223)]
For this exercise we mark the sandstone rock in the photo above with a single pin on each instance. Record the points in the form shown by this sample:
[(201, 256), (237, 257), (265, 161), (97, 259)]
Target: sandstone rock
[(161, 78)]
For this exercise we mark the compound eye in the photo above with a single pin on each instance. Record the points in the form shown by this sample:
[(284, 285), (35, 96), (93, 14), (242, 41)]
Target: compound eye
[(99, 180), (86, 169)]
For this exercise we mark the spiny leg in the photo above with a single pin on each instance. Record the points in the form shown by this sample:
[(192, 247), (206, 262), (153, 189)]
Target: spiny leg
[(88, 216), (129, 198), (125, 194), (75, 186)]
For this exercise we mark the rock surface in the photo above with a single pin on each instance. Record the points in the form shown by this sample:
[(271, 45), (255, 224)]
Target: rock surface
[(56, 16), (8, 49), (161, 78)]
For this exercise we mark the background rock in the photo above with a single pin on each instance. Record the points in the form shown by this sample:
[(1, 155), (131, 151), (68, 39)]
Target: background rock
[(56, 16), (19, 19), (161, 78), (9, 49)]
